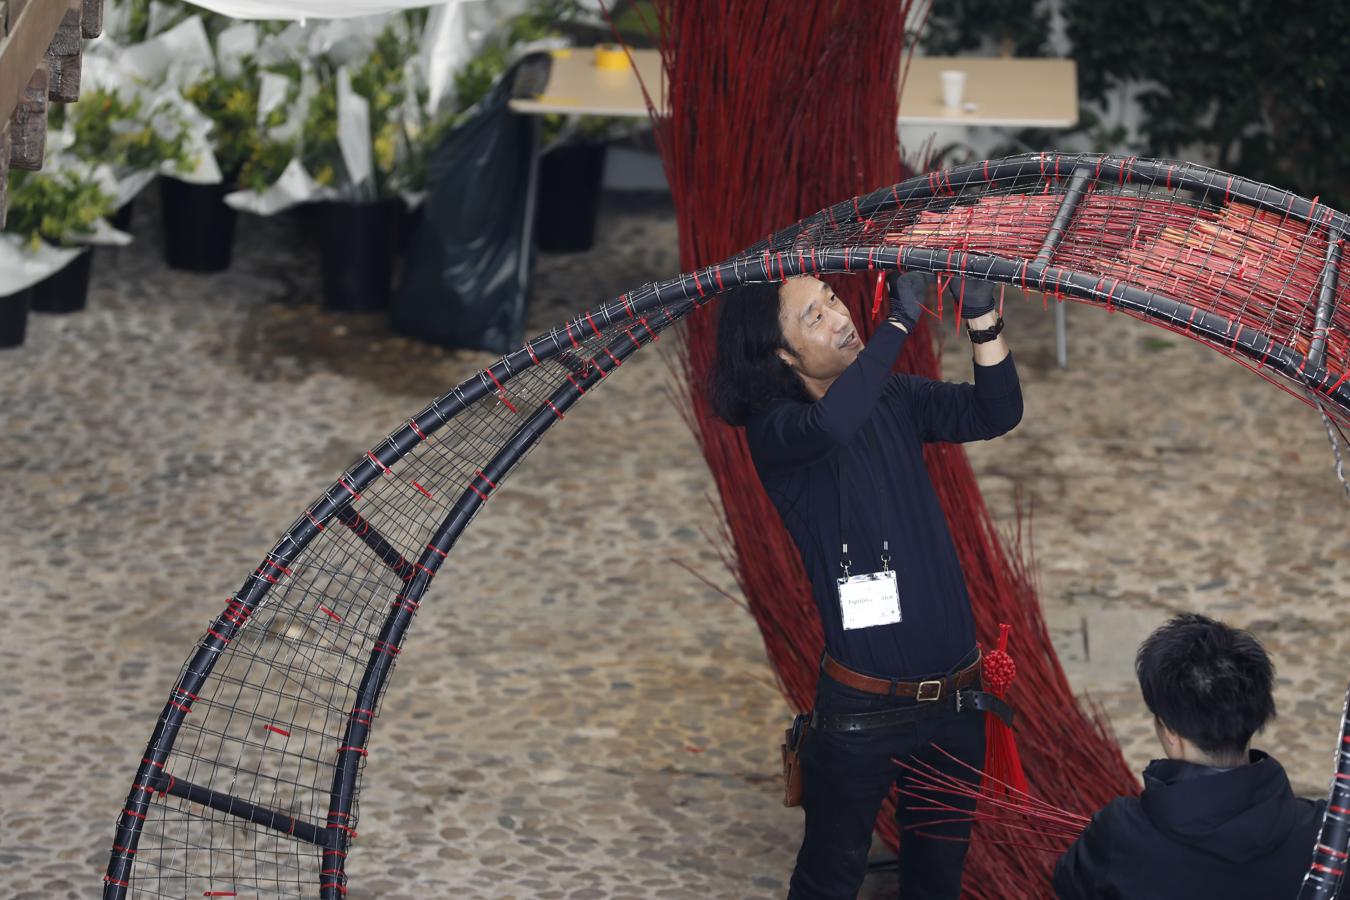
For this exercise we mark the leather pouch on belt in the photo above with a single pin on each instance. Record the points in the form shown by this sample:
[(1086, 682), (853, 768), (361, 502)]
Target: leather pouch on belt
[(793, 739)]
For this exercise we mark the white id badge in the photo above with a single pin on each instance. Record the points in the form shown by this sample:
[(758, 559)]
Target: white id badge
[(869, 600)]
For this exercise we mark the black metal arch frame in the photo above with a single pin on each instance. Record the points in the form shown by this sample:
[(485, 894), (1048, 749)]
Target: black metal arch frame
[(636, 319)]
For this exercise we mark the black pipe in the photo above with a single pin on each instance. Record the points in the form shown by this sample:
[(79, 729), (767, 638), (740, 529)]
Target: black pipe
[(1325, 301)]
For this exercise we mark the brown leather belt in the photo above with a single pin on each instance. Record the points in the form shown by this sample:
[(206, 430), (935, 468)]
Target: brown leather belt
[(932, 689)]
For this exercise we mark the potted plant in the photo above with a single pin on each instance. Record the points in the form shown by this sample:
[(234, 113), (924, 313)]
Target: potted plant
[(133, 135), (198, 225), (57, 207), (369, 174), (571, 168)]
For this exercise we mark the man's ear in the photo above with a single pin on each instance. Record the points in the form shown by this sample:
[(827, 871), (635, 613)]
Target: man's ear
[(786, 357)]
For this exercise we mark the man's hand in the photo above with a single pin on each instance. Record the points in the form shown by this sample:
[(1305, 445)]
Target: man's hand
[(906, 295), (977, 299)]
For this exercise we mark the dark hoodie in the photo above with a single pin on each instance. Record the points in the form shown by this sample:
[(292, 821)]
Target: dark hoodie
[(1195, 833)]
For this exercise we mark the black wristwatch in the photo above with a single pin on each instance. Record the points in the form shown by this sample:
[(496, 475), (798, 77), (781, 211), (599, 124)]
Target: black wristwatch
[(985, 335)]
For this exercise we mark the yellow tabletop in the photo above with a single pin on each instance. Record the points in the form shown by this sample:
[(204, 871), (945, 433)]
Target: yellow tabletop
[(1020, 93)]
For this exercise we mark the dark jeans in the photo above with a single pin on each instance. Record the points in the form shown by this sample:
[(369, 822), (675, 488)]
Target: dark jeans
[(846, 777)]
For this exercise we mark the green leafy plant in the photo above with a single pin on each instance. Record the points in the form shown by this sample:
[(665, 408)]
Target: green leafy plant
[(1014, 27), (53, 206), (1256, 87), (231, 103), (125, 133)]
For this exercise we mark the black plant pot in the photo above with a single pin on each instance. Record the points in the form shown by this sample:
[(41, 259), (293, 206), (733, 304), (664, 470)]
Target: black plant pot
[(66, 291), (121, 219), (14, 317), (356, 247), (198, 226), (569, 197)]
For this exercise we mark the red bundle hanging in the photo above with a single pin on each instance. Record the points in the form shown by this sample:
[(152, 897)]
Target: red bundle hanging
[(1002, 765)]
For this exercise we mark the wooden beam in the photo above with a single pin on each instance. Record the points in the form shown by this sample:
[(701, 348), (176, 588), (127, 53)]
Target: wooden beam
[(28, 126), (91, 21), (32, 25), (64, 57)]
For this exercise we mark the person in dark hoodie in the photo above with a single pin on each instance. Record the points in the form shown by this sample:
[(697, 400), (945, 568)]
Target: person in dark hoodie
[(1216, 818)]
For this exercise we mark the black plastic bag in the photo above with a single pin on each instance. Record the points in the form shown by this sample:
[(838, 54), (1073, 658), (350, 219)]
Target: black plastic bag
[(467, 273)]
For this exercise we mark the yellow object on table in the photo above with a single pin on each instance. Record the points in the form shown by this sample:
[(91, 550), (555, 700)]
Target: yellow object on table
[(609, 56)]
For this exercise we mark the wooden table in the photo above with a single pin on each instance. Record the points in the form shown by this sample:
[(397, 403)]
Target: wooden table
[(1013, 93)]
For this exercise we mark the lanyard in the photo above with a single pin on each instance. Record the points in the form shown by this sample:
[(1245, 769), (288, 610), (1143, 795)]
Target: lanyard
[(873, 457)]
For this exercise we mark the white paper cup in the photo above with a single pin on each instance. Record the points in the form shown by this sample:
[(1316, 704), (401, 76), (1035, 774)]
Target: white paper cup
[(953, 86)]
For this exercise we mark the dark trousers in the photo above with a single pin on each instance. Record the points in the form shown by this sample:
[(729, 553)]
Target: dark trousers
[(845, 778)]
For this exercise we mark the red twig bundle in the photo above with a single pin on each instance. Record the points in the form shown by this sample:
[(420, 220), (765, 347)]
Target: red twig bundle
[(778, 110)]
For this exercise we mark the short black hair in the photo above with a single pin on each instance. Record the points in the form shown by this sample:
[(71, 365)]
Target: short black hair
[(1208, 682), (748, 372)]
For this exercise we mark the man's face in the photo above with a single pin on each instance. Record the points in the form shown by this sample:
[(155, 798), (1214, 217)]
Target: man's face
[(819, 328)]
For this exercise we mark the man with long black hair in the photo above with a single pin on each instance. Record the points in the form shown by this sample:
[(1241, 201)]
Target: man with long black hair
[(837, 441), (1217, 818)]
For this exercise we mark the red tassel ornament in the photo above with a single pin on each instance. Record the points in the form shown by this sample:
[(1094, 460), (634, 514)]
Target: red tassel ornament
[(1002, 765)]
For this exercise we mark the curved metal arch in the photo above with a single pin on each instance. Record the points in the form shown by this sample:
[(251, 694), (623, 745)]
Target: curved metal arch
[(780, 256)]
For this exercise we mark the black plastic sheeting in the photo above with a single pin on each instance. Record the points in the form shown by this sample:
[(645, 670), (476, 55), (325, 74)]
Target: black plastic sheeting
[(467, 272)]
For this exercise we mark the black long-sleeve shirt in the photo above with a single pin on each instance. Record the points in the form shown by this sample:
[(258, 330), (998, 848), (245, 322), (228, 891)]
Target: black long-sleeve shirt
[(867, 433)]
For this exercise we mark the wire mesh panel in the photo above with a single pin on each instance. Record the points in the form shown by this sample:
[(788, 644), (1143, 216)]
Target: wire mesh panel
[(249, 785)]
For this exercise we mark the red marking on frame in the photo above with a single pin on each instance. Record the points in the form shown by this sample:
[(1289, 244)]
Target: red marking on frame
[(530, 350), (632, 337), (260, 573), (134, 814), (870, 252), (148, 761), (177, 705), (362, 713), (108, 879), (422, 489), (329, 613), (317, 524), (361, 750), (617, 362), (276, 565), (281, 731), (481, 495), (410, 605), (1226, 189), (986, 170), (591, 322), (413, 425), (435, 549), (580, 389), (334, 853), (491, 483), (781, 270), (567, 326), (351, 490), (627, 305), (330, 871), (219, 894), (212, 632), (698, 286), (1339, 810), (376, 461), (1322, 848), (857, 213), (423, 568), (118, 848), (717, 273), (1328, 869), (555, 409), (654, 336), (386, 647), (1340, 381)]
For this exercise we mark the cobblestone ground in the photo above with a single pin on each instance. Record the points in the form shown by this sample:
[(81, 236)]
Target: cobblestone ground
[(560, 729)]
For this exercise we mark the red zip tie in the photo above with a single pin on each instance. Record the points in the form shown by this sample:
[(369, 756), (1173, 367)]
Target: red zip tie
[(402, 601), (386, 647), (351, 490), (177, 705), (334, 853), (108, 879), (328, 612), (591, 322), (435, 549), (212, 632), (697, 286), (317, 524), (580, 389), (362, 713), (876, 294), (1322, 847), (492, 484), (281, 731), (118, 848), (361, 750), (556, 412), (147, 760), (481, 495), (376, 461), (567, 326), (141, 816), (412, 423), (717, 273), (627, 305), (617, 362), (781, 270), (423, 490), (530, 350), (632, 337), (261, 574)]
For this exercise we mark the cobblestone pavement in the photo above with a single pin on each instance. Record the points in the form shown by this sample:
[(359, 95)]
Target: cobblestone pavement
[(603, 728)]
